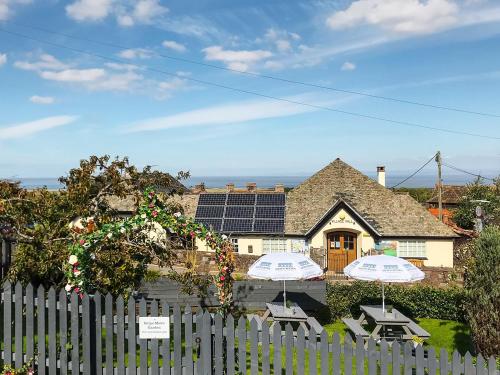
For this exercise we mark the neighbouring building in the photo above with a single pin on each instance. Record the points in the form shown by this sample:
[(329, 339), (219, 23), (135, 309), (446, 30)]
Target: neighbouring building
[(338, 211)]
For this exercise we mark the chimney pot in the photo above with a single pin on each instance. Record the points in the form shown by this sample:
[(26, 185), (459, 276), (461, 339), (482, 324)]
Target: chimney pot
[(279, 188), (230, 188), (251, 186), (381, 175)]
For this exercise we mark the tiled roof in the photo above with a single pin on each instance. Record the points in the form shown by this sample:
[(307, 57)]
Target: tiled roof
[(451, 194), (388, 213)]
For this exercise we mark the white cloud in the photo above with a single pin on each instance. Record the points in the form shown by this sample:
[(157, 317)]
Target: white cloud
[(227, 114), (3, 58), (135, 53), (274, 65), (398, 16), (348, 66), (145, 11), (238, 60), (7, 5), (74, 75), (283, 45), (32, 127), (173, 45), (42, 99), (89, 10), (45, 61), (127, 13)]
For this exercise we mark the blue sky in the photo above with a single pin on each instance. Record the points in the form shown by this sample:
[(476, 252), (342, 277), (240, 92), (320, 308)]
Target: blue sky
[(58, 106)]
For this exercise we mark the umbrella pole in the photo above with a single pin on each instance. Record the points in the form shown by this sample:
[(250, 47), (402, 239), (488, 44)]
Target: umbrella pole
[(383, 299), (284, 295)]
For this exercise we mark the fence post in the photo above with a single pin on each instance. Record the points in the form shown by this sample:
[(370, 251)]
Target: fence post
[(7, 323), (431, 360), (324, 352), (108, 310), (86, 339), (165, 348), (419, 360), (443, 361), (206, 344), (18, 325), (75, 344), (177, 340), (242, 341), (155, 367), (52, 305), (384, 357), (63, 329), (230, 345), (360, 355), (188, 334), (218, 350), (396, 358), (40, 309), (456, 363), (143, 343), (408, 358), (120, 337), (336, 353), (132, 337), (348, 355), (300, 346), (311, 345), (97, 332), (372, 357), (30, 323)]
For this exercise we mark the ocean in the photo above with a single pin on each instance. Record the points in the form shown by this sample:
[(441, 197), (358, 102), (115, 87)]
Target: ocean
[(267, 181)]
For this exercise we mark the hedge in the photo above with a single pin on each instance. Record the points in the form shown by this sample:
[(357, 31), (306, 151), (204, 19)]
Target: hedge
[(416, 301)]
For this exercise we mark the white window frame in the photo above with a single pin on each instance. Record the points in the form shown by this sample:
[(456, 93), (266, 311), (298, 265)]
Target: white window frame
[(273, 245), (234, 242), (412, 249)]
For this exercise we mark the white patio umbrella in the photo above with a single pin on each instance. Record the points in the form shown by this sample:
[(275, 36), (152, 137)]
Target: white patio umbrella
[(383, 268), (284, 266)]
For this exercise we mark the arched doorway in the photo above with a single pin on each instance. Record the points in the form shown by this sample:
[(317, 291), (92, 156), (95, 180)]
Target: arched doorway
[(342, 249)]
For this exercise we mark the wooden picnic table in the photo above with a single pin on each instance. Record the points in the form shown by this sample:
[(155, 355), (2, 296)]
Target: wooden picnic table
[(276, 313), (388, 324)]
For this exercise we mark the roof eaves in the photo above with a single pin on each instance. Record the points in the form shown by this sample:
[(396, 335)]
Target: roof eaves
[(338, 203)]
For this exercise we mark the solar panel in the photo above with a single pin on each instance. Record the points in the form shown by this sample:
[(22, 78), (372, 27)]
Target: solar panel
[(241, 199), (271, 199), (237, 225), (212, 199), (239, 211), (214, 224), (270, 212), (210, 211), (269, 226)]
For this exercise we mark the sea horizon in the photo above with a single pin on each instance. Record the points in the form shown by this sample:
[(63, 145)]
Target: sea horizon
[(424, 181)]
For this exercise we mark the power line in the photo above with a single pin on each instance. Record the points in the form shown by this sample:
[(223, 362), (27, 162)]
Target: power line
[(467, 172), (264, 76), (414, 173), (254, 93)]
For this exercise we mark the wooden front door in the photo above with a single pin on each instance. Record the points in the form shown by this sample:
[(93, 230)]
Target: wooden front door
[(342, 250)]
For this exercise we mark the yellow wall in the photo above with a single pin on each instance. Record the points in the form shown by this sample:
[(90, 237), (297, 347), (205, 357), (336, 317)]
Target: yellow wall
[(342, 221), (439, 252)]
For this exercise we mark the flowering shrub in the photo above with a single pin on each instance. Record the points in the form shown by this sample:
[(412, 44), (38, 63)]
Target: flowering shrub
[(27, 369), (146, 232)]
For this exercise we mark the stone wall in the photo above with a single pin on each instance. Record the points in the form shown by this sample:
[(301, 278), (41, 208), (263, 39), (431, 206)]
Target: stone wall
[(205, 261)]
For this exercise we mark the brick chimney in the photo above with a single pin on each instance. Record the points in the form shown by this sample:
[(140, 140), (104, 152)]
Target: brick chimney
[(199, 188), (229, 188), (279, 188), (251, 186), (381, 175)]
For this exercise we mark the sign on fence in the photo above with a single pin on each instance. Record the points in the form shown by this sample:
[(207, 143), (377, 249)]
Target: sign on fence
[(154, 327)]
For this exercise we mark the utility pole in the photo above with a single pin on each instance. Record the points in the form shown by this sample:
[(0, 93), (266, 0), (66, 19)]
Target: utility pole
[(440, 187)]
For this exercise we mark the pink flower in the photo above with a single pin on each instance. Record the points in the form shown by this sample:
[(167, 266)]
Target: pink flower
[(192, 234), (222, 278), (82, 242), (151, 205), (154, 213), (77, 289)]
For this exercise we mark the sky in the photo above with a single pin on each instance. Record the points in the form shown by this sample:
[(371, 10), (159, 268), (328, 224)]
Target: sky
[(180, 84)]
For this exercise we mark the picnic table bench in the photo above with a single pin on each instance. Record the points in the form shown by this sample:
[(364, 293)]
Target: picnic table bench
[(276, 313), (388, 324)]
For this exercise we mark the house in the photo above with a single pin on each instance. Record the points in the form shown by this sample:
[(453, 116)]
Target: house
[(338, 210), (450, 197)]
